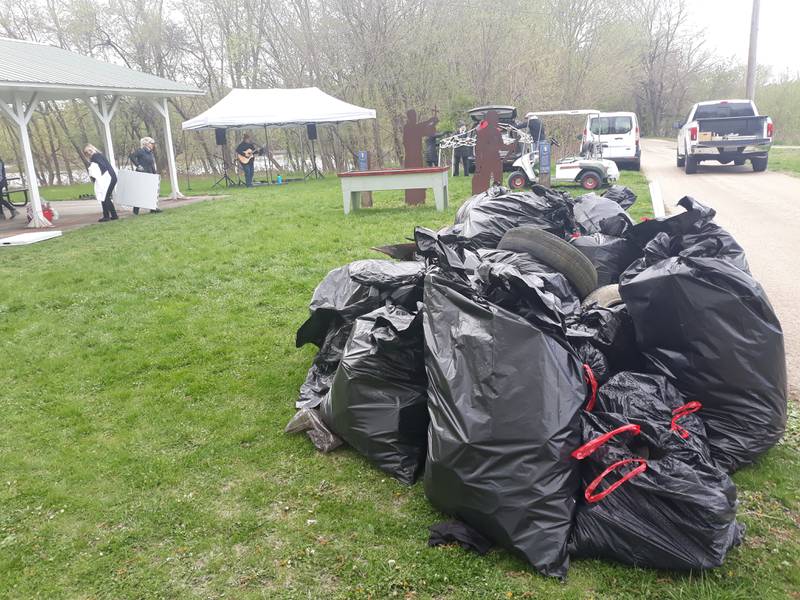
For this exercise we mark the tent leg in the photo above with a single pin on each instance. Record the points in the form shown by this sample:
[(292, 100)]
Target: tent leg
[(22, 116), (186, 160), (266, 147), (163, 109)]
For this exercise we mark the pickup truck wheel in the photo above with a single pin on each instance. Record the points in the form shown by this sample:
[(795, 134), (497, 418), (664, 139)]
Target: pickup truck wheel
[(636, 165), (759, 164), (517, 180), (690, 165), (554, 252), (679, 160)]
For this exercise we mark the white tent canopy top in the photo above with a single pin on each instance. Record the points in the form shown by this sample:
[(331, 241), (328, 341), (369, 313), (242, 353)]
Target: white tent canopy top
[(277, 107)]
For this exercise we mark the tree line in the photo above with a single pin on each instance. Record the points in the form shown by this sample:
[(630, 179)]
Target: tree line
[(437, 56)]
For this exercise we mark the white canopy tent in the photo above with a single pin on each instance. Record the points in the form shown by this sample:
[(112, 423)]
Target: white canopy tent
[(31, 72), (277, 107)]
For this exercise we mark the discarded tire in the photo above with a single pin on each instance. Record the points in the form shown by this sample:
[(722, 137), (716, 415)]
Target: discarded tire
[(604, 297), (555, 253)]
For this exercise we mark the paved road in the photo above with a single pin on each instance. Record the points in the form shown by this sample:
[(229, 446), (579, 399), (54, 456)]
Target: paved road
[(762, 210)]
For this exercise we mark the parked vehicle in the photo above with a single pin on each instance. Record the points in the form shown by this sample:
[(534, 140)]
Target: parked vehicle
[(728, 131), (618, 135), (590, 169)]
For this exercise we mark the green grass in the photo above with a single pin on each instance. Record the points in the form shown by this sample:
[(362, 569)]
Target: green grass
[(149, 370), (785, 159), (198, 185)]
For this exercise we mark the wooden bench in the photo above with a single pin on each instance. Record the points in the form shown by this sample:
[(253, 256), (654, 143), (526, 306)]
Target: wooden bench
[(355, 182)]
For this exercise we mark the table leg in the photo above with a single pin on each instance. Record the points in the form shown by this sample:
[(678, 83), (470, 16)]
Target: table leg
[(440, 195), (346, 200)]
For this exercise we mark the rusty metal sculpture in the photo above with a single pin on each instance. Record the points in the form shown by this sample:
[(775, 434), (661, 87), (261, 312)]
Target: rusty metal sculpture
[(413, 133), (488, 163)]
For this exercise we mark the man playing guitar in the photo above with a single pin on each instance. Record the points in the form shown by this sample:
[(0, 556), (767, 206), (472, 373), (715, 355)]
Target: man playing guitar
[(245, 154)]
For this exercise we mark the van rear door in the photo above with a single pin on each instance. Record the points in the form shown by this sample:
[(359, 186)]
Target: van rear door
[(616, 133)]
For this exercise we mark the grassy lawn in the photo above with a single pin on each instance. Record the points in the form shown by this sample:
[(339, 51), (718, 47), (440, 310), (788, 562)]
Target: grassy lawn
[(202, 185), (149, 370), (785, 159), (198, 185)]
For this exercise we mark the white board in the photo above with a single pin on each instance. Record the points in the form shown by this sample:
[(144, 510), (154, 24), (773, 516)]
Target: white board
[(28, 238), (136, 189)]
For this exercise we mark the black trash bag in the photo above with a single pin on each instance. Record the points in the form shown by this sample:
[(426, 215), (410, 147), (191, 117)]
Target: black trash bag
[(492, 192), (444, 249), (611, 331), (522, 294), (595, 360), (667, 508), (566, 301), (622, 195), (343, 295), (323, 367), (456, 532), (595, 214), (609, 254), (356, 289), (647, 398), (486, 220), (504, 399), (692, 233), (378, 400), (709, 327)]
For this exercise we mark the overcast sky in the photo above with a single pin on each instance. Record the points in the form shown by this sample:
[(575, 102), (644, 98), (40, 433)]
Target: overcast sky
[(727, 29)]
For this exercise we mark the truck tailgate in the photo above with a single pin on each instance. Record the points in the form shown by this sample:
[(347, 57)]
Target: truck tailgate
[(731, 128)]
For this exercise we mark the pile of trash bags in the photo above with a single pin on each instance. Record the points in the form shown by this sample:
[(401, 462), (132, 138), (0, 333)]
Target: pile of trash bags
[(544, 417)]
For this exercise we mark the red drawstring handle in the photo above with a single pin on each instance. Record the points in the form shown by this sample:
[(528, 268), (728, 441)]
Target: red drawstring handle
[(592, 381), (592, 497), (592, 445), (682, 411)]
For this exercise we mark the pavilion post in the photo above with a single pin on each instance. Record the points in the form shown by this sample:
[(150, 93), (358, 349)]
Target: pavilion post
[(21, 115), (104, 113), (161, 106)]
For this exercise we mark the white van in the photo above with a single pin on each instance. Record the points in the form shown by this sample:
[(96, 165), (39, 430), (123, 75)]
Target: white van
[(618, 132)]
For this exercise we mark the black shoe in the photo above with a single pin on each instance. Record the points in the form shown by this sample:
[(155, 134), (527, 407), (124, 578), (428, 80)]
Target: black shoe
[(103, 220), (114, 218)]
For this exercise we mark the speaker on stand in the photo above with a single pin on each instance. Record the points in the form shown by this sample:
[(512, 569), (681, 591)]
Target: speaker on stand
[(311, 132), (221, 137)]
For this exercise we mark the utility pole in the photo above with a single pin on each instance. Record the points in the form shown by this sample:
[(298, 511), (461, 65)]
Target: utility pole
[(751, 56)]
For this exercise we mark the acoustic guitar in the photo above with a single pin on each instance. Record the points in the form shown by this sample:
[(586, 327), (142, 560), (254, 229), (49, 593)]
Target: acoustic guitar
[(248, 156)]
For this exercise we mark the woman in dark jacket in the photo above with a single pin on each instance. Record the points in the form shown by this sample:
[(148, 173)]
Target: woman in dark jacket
[(105, 180)]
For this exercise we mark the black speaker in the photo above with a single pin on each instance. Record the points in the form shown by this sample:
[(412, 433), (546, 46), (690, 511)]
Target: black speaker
[(311, 130), (221, 134)]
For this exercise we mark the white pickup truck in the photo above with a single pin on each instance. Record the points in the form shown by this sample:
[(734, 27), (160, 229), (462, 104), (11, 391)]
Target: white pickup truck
[(726, 131)]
